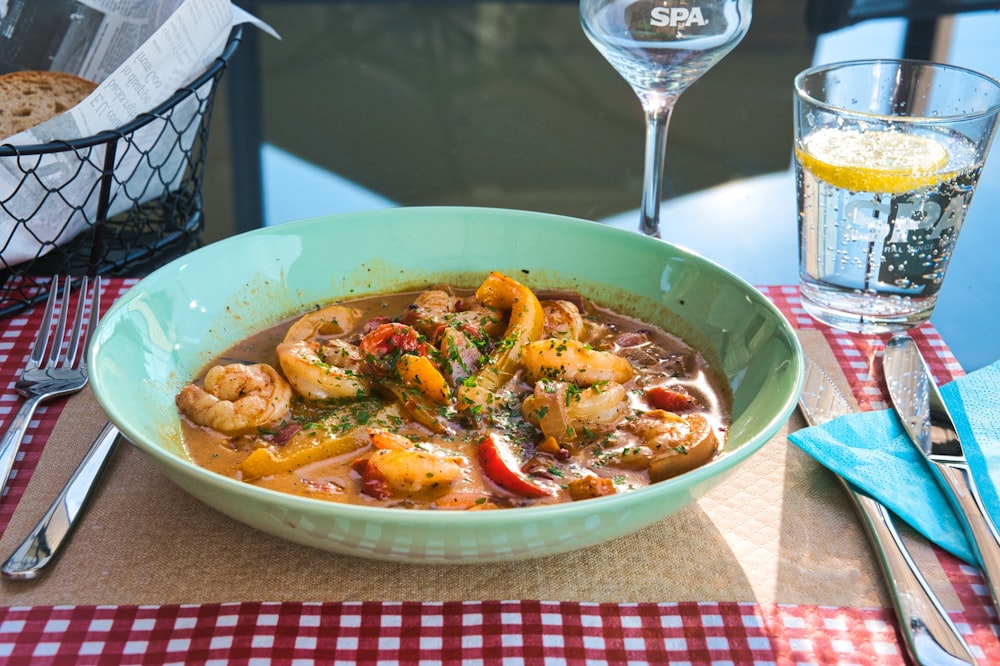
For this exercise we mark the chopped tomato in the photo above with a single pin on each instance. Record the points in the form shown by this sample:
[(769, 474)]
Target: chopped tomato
[(670, 400), (501, 468), (382, 347), (373, 483)]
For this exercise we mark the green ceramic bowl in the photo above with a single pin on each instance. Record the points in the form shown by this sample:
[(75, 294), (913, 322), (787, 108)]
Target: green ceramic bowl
[(158, 336)]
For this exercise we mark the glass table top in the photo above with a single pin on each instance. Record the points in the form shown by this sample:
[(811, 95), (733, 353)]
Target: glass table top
[(506, 104)]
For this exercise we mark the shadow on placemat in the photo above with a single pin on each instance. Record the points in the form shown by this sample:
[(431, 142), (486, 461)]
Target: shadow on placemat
[(777, 531)]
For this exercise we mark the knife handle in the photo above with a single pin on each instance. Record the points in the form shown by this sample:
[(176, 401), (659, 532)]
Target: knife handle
[(45, 541), (930, 635), (971, 511)]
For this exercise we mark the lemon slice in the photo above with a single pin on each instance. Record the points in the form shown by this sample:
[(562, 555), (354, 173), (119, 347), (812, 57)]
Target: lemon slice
[(874, 161)]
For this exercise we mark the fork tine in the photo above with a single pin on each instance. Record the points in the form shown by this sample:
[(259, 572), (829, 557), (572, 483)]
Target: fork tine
[(42, 337), (55, 353), (95, 316), (37, 383), (74, 340)]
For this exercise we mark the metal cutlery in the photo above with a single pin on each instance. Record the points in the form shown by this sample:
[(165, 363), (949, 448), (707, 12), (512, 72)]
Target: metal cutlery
[(45, 541), (925, 418), (60, 372), (930, 636)]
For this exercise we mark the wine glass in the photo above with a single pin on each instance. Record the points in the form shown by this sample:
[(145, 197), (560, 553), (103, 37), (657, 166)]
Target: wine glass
[(661, 47)]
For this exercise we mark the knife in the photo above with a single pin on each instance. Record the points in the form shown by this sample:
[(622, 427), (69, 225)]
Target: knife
[(925, 418), (44, 542), (929, 635)]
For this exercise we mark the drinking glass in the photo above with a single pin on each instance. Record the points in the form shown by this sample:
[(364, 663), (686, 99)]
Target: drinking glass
[(661, 47), (887, 157)]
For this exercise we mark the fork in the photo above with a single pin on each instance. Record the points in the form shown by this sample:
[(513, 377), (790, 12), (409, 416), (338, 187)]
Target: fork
[(61, 372)]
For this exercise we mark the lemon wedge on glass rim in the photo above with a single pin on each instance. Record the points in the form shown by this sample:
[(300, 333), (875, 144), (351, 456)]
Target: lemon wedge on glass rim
[(874, 161)]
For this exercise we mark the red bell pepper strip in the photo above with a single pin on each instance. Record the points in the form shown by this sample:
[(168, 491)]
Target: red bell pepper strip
[(501, 468)]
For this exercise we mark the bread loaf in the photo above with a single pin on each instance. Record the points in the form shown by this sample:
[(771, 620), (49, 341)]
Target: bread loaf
[(29, 98)]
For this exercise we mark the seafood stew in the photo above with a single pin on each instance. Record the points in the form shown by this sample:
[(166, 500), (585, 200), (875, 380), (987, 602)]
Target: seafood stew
[(457, 399)]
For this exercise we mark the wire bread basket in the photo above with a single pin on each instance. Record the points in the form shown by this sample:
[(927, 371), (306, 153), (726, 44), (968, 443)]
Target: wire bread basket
[(132, 200)]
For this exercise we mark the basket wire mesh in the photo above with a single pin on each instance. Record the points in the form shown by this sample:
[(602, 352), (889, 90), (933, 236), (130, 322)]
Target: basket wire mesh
[(133, 199)]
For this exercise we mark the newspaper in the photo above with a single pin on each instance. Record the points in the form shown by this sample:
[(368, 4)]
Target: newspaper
[(140, 52)]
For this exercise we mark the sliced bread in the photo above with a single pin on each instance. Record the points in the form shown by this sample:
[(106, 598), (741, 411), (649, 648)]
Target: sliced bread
[(28, 98)]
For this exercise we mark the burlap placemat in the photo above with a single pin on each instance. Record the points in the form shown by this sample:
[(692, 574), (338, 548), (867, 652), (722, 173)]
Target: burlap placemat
[(778, 531)]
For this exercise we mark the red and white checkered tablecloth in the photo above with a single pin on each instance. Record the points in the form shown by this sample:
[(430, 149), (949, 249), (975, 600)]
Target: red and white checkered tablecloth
[(481, 632), (16, 341), (484, 632)]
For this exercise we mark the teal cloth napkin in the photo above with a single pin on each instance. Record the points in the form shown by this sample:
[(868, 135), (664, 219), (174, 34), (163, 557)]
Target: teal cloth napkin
[(873, 452)]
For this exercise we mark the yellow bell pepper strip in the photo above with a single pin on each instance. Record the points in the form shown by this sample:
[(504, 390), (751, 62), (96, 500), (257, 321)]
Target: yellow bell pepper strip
[(428, 413), (306, 446), (419, 372), (397, 357)]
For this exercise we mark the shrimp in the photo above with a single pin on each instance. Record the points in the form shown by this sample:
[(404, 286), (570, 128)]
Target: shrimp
[(678, 443), (598, 408), (435, 310), (562, 319), (573, 361), (328, 322), (413, 472), (525, 325), (430, 311), (386, 440), (323, 370), (477, 320), (401, 467), (567, 414), (237, 399)]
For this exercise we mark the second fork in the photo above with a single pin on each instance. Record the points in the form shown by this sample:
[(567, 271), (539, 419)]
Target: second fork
[(60, 371)]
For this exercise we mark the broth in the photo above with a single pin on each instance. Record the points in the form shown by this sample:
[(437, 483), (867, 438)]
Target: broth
[(457, 399)]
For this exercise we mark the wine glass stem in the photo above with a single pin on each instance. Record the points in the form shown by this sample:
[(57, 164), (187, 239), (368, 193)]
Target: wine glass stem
[(658, 111)]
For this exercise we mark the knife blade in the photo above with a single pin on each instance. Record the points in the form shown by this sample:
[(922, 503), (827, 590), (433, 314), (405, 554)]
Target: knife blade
[(930, 636), (928, 423), (45, 541)]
